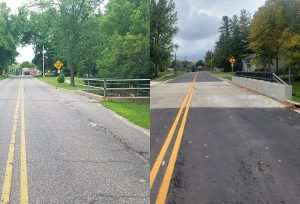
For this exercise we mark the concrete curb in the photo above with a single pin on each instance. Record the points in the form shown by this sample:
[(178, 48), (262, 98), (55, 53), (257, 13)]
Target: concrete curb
[(90, 95)]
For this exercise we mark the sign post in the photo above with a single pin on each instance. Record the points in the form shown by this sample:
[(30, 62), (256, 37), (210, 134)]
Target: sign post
[(232, 61)]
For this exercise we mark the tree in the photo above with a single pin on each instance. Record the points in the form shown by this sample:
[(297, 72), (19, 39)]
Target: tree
[(70, 19), (222, 48), (200, 63), (27, 64), (8, 41), (162, 31), (126, 53), (291, 50), (265, 33), (208, 59)]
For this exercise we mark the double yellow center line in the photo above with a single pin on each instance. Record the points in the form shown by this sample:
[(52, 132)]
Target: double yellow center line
[(5, 196), (163, 191)]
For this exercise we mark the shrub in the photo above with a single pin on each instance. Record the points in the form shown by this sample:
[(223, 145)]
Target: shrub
[(61, 78)]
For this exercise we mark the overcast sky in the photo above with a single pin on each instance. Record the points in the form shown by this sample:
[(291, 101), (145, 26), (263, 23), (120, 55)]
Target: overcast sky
[(199, 20)]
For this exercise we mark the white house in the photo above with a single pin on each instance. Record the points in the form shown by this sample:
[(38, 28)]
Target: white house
[(249, 66)]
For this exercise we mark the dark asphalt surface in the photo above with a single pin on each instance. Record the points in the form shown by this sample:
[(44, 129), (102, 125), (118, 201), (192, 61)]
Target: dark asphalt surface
[(203, 76), (231, 155), (77, 150)]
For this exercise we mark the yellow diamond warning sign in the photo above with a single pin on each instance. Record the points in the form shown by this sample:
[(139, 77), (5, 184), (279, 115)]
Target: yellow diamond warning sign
[(232, 60), (58, 64)]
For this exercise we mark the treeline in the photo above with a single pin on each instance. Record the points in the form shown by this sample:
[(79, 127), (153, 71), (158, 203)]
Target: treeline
[(88, 39), (272, 33), (233, 41)]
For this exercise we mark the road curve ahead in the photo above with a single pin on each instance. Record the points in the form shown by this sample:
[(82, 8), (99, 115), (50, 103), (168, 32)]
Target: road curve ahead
[(59, 147), (229, 144)]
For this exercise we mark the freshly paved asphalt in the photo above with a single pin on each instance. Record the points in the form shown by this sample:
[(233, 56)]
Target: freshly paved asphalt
[(238, 146), (77, 151)]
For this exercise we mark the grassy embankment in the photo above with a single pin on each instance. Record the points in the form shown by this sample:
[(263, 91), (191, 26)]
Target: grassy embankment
[(139, 114), (53, 81), (3, 77), (168, 75), (296, 91), (225, 75)]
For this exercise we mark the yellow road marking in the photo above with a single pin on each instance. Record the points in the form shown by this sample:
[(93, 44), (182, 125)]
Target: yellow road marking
[(10, 159), (164, 188), (166, 144), (23, 171)]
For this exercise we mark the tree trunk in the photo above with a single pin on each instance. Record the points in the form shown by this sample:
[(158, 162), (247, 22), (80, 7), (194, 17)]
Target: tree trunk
[(277, 69), (72, 73), (156, 70)]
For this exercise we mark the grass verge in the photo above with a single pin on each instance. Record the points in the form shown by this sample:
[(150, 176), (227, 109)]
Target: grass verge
[(225, 75), (139, 114), (296, 91), (3, 77), (53, 81), (164, 76)]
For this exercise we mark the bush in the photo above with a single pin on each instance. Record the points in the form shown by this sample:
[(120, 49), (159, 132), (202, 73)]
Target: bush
[(61, 78)]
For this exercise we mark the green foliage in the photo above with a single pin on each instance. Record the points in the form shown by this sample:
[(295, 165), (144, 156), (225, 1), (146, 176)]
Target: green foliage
[(200, 63), (126, 53), (27, 64), (163, 29), (208, 59), (232, 42), (89, 42), (291, 50), (61, 78), (8, 39), (265, 32)]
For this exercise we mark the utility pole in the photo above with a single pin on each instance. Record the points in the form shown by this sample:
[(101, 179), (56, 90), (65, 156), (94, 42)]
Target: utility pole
[(175, 64), (211, 68), (43, 62)]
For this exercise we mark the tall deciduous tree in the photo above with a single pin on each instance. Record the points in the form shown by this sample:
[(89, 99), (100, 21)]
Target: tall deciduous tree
[(265, 33), (126, 27), (8, 39), (162, 29)]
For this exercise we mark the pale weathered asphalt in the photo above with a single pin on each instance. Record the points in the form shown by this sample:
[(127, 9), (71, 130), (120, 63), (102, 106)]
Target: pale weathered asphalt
[(77, 151), (237, 147)]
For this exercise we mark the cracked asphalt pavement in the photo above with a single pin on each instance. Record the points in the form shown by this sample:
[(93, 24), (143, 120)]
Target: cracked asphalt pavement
[(237, 147), (77, 150)]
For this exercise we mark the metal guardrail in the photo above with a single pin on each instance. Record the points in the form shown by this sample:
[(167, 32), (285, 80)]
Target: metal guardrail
[(116, 87), (265, 76)]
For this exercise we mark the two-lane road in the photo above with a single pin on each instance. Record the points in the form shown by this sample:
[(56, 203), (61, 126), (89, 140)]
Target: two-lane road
[(67, 148), (237, 146)]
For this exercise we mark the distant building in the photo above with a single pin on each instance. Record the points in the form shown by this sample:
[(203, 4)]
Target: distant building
[(30, 71), (250, 66)]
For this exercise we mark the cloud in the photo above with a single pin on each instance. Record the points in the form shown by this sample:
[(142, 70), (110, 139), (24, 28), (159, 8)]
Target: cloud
[(26, 53), (199, 26), (199, 20)]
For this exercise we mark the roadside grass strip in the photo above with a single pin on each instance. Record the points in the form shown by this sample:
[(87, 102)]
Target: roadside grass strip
[(139, 114)]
